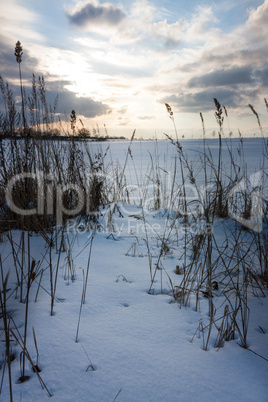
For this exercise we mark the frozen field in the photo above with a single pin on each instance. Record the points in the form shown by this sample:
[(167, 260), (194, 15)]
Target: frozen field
[(142, 334)]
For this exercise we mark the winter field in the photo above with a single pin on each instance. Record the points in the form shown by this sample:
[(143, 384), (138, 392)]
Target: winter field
[(134, 270)]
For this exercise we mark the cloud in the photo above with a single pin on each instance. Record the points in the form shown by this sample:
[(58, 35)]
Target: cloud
[(123, 110), (67, 100), (262, 76), (84, 106), (9, 66), (158, 35), (257, 21), (138, 26), (146, 117), (231, 66), (116, 68), (231, 76), (87, 15), (233, 54), (170, 34), (143, 12), (17, 21), (201, 26), (203, 101)]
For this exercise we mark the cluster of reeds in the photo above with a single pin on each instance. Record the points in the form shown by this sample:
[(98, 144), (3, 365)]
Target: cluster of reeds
[(236, 266), (38, 174)]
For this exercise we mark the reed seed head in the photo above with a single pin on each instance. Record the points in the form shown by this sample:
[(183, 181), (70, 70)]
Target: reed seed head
[(169, 110), (18, 52)]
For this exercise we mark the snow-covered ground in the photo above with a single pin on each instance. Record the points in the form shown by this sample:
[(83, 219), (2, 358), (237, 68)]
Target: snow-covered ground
[(132, 345)]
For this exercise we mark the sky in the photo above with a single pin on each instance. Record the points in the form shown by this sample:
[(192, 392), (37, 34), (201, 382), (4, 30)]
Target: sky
[(118, 63)]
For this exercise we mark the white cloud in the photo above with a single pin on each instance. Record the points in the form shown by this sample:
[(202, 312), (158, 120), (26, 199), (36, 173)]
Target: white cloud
[(143, 12), (17, 22), (138, 26), (171, 33), (258, 19), (201, 26)]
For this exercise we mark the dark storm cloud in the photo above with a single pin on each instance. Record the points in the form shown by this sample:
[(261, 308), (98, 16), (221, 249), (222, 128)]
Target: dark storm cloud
[(262, 76), (90, 13), (232, 76), (9, 66), (68, 101), (228, 59), (203, 101)]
